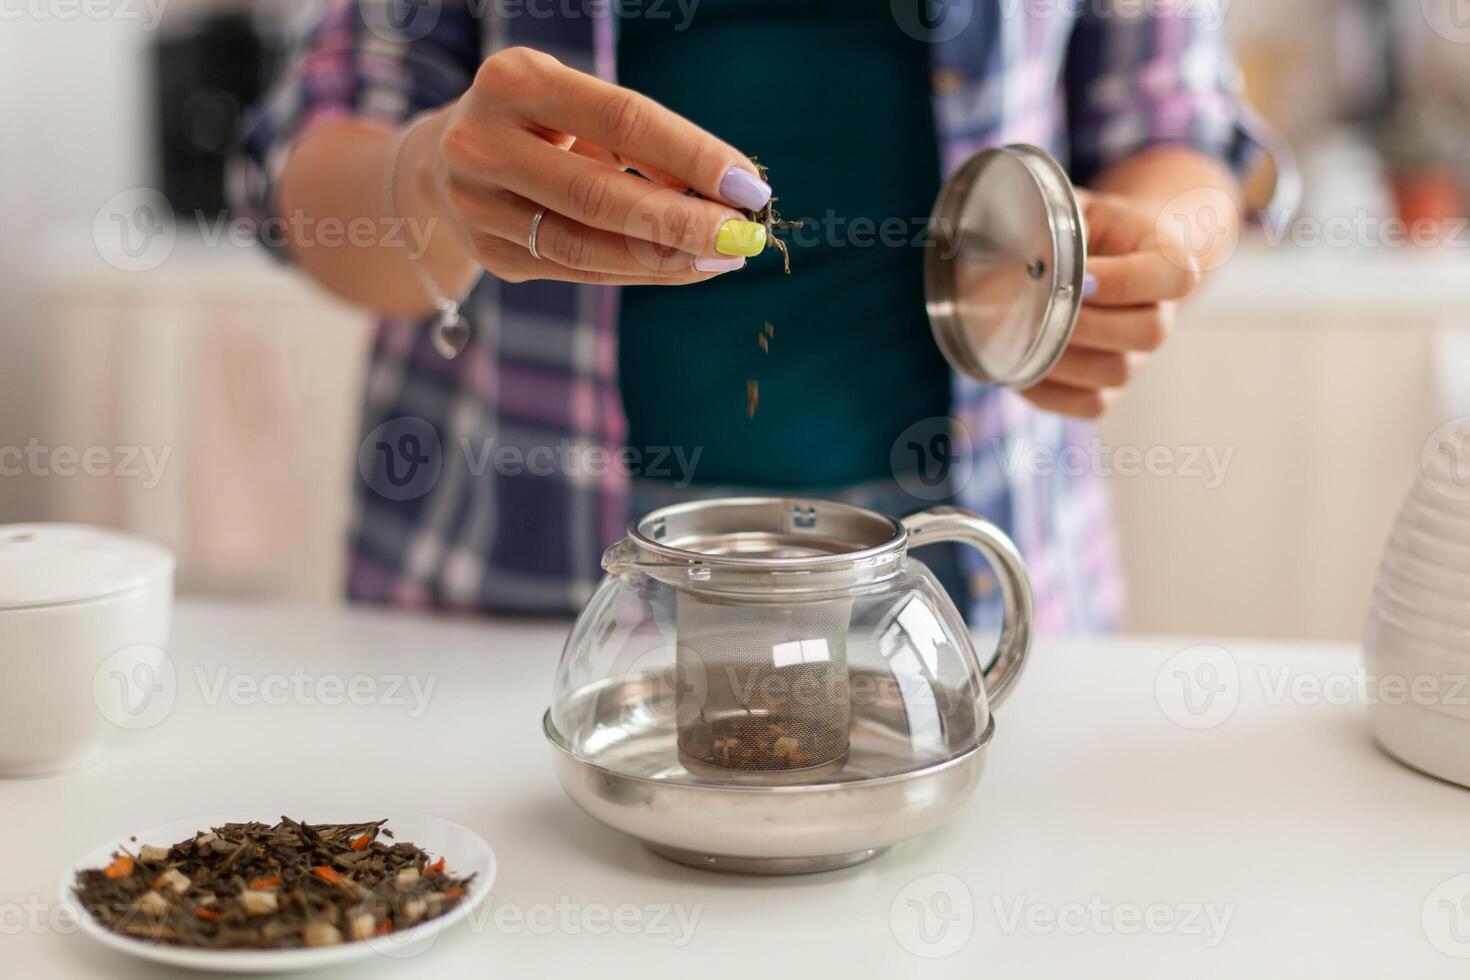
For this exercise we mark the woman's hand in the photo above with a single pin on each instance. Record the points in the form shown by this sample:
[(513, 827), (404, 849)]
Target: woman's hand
[(531, 134), (1136, 272)]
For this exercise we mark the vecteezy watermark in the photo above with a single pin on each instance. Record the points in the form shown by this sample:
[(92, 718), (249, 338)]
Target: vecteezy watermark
[(833, 230), (1445, 459), (1441, 689), (933, 917), (143, 463), (673, 463), (1198, 688), (1363, 229), (1207, 464), (137, 230), (1445, 917), (404, 458), (1199, 228), (1450, 19), (412, 20), (328, 689), (932, 459), (1210, 12), (1206, 921), (134, 230), (146, 12), (35, 916), (932, 21), (135, 687), (671, 921), (567, 917), (681, 12)]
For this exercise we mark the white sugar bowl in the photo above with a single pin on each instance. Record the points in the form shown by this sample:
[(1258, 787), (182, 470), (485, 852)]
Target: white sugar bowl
[(84, 620), (1417, 644)]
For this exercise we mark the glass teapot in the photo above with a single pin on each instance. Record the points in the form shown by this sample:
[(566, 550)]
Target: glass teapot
[(777, 685)]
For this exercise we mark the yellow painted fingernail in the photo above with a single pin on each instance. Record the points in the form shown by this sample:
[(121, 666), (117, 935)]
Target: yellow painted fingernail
[(741, 238)]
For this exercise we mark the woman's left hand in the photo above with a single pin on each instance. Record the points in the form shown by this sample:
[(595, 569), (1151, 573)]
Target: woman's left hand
[(1137, 272)]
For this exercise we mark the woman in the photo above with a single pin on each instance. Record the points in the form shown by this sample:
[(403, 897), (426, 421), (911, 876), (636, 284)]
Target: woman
[(542, 188)]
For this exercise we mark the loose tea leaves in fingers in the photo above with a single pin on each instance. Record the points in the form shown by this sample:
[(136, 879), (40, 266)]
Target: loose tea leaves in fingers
[(772, 220)]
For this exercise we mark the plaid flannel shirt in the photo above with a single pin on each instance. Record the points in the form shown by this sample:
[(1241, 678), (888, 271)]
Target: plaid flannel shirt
[(1093, 81)]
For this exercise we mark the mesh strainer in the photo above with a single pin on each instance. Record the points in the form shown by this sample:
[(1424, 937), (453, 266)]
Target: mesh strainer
[(762, 608), (773, 691)]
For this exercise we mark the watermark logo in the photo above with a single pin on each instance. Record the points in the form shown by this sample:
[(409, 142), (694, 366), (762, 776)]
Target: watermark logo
[(1445, 459), (933, 917), (1364, 229), (1205, 921), (134, 230), (661, 215), (1199, 687), (674, 676), (1445, 917), (148, 13), (581, 460), (137, 230), (135, 688), (398, 21), (1450, 19), (932, 21), (1210, 12), (401, 459), (145, 464), (1207, 464), (932, 458), (36, 916), (1198, 229), (675, 922), (412, 692)]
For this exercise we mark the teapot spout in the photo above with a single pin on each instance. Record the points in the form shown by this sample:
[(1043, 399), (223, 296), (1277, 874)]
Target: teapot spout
[(620, 557)]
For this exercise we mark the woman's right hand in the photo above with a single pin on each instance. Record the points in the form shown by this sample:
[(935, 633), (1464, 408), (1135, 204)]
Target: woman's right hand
[(531, 133)]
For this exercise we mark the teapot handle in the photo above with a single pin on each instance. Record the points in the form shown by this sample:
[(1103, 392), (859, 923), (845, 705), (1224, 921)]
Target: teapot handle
[(953, 524)]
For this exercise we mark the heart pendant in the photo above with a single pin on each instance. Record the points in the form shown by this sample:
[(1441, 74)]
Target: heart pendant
[(451, 334)]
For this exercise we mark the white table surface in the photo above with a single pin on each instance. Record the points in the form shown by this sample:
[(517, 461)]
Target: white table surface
[(1320, 856)]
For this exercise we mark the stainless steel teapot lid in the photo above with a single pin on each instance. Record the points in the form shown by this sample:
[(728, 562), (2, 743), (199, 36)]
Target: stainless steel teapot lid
[(1003, 274)]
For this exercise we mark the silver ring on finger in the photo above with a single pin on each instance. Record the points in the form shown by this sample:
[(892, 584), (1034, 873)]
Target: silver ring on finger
[(535, 227)]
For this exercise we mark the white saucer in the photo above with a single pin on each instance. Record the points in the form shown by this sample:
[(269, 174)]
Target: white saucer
[(465, 851)]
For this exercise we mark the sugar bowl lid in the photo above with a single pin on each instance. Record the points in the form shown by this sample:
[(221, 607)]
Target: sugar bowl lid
[(1003, 273), (51, 564)]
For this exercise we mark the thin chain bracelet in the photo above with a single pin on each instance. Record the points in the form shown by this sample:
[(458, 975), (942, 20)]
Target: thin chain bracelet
[(451, 328)]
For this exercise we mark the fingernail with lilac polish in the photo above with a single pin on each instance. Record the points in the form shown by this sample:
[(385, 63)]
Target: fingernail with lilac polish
[(1089, 285), (744, 189), (708, 264)]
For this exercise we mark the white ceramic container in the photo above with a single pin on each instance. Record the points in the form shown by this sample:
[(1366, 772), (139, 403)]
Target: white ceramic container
[(1417, 644), (84, 621)]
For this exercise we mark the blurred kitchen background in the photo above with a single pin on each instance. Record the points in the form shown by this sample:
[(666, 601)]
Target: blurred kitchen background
[(1318, 363)]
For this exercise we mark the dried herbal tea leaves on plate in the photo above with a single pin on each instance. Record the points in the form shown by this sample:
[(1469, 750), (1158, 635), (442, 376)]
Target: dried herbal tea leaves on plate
[(254, 886)]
